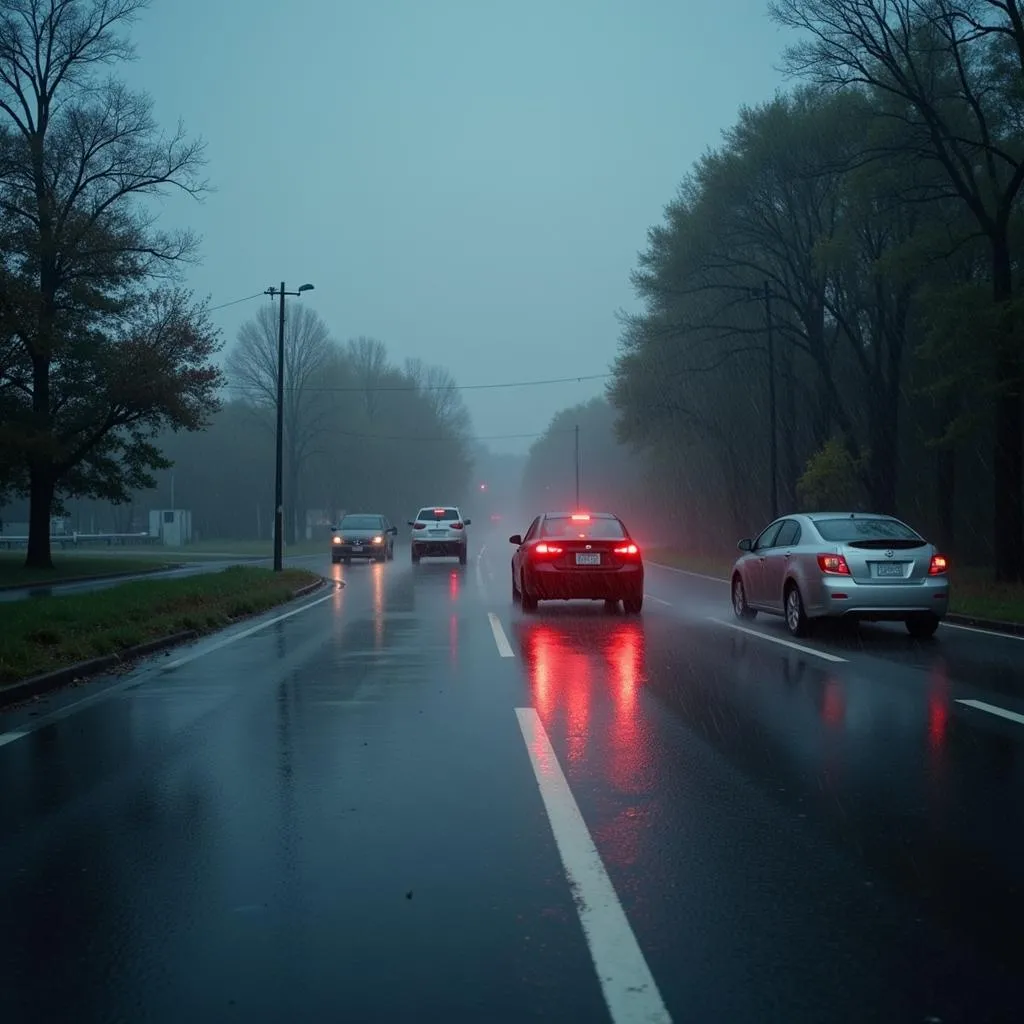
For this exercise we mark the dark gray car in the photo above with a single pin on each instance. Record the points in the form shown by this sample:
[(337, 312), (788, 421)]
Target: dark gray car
[(363, 535)]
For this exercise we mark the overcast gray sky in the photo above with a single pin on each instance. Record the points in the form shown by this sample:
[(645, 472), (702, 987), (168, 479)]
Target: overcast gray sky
[(467, 180)]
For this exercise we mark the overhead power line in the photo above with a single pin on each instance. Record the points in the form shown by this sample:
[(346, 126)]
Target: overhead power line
[(235, 302), (356, 389)]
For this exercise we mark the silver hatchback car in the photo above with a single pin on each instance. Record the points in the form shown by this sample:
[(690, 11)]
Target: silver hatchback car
[(842, 565)]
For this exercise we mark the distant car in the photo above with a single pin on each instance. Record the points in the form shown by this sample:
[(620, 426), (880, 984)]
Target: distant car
[(439, 531), (363, 535), (577, 556), (842, 565)]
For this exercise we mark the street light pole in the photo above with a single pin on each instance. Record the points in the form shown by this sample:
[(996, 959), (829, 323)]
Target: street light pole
[(774, 441), (279, 468)]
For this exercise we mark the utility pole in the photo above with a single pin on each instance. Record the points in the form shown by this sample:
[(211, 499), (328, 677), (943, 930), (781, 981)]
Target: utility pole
[(279, 468), (577, 467), (774, 439)]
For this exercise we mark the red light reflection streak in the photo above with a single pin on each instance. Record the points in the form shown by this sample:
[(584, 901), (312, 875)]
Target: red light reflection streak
[(833, 708), (573, 672), (539, 643), (453, 586), (629, 763), (560, 675), (938, 719)]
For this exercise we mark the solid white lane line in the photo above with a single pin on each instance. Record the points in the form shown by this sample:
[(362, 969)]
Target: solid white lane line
[(983, 632), (994, 709), (688, 572), (108, 691), (184, 660), (10, 737), (778, 640), (629, 988), (504, 647)]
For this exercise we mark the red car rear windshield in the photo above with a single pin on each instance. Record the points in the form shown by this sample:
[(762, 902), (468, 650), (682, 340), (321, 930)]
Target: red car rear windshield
[(583, 529)]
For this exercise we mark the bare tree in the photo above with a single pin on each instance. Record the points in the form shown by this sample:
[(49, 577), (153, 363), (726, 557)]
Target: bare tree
[(77, 154), (308, 355), (441, 393), (942, 63), (368, 361)]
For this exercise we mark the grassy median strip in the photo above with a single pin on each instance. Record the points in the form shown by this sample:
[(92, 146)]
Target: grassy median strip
[(68, 567), (39, 635), (973, 591)]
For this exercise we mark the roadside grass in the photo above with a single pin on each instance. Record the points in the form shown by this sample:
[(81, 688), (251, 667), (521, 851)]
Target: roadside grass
[(973, 592), (43, 634), (74, 566)]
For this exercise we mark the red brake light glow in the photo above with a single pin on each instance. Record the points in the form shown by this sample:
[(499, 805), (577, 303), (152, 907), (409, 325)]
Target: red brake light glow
[(438, 511), (547, 549), (419, 526), (833, 565), (456, 526), (628, 549), (940, 564), (581, 517)]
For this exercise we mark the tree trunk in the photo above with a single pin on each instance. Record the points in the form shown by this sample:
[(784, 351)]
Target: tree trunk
[(1008, 456), (883, 445), (945, 482), (41, 488), (787, 439)]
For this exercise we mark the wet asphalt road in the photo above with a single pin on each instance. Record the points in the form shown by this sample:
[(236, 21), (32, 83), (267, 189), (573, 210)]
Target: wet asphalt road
[(338, 817)]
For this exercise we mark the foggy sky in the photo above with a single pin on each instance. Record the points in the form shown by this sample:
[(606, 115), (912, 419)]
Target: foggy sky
[(467, 180)]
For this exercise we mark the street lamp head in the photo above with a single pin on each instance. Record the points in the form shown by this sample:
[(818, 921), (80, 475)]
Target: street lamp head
[(305, 288)]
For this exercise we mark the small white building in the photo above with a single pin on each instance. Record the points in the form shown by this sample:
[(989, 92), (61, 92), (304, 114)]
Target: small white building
[(173, 526)]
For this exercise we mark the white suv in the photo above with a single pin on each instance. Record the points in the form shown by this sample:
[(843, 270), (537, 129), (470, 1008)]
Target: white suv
[(439, 530)]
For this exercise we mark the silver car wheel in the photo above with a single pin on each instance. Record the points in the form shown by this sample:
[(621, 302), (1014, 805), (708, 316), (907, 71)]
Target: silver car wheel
[(794, 610), (739, 601)]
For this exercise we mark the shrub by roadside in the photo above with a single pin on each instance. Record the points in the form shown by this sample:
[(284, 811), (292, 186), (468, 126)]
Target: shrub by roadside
[(44, 634)]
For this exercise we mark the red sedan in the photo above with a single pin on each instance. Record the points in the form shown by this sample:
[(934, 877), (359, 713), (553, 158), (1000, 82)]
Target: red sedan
[(586, 556)]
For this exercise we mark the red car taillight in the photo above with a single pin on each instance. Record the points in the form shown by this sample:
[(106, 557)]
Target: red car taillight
[(419, 526), (833, 565), (547, 549), (456, 526), (628, 549), (939, 565)]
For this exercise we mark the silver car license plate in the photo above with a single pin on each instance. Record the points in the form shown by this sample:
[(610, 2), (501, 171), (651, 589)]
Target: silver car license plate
[(588, 559), (889, 569), (357, 547)]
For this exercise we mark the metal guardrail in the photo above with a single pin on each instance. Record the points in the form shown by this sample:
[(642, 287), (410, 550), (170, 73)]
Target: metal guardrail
[(86, 540)]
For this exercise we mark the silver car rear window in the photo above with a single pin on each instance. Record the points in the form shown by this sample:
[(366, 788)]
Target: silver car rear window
[(839, 531)]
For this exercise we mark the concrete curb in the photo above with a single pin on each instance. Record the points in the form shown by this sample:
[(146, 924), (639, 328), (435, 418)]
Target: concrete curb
[(17, 693), (67, 581), (988, 625), (48, 681)]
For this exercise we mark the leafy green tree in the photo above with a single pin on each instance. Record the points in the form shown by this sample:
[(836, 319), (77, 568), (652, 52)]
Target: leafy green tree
[(78, 154), (953, 71)]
